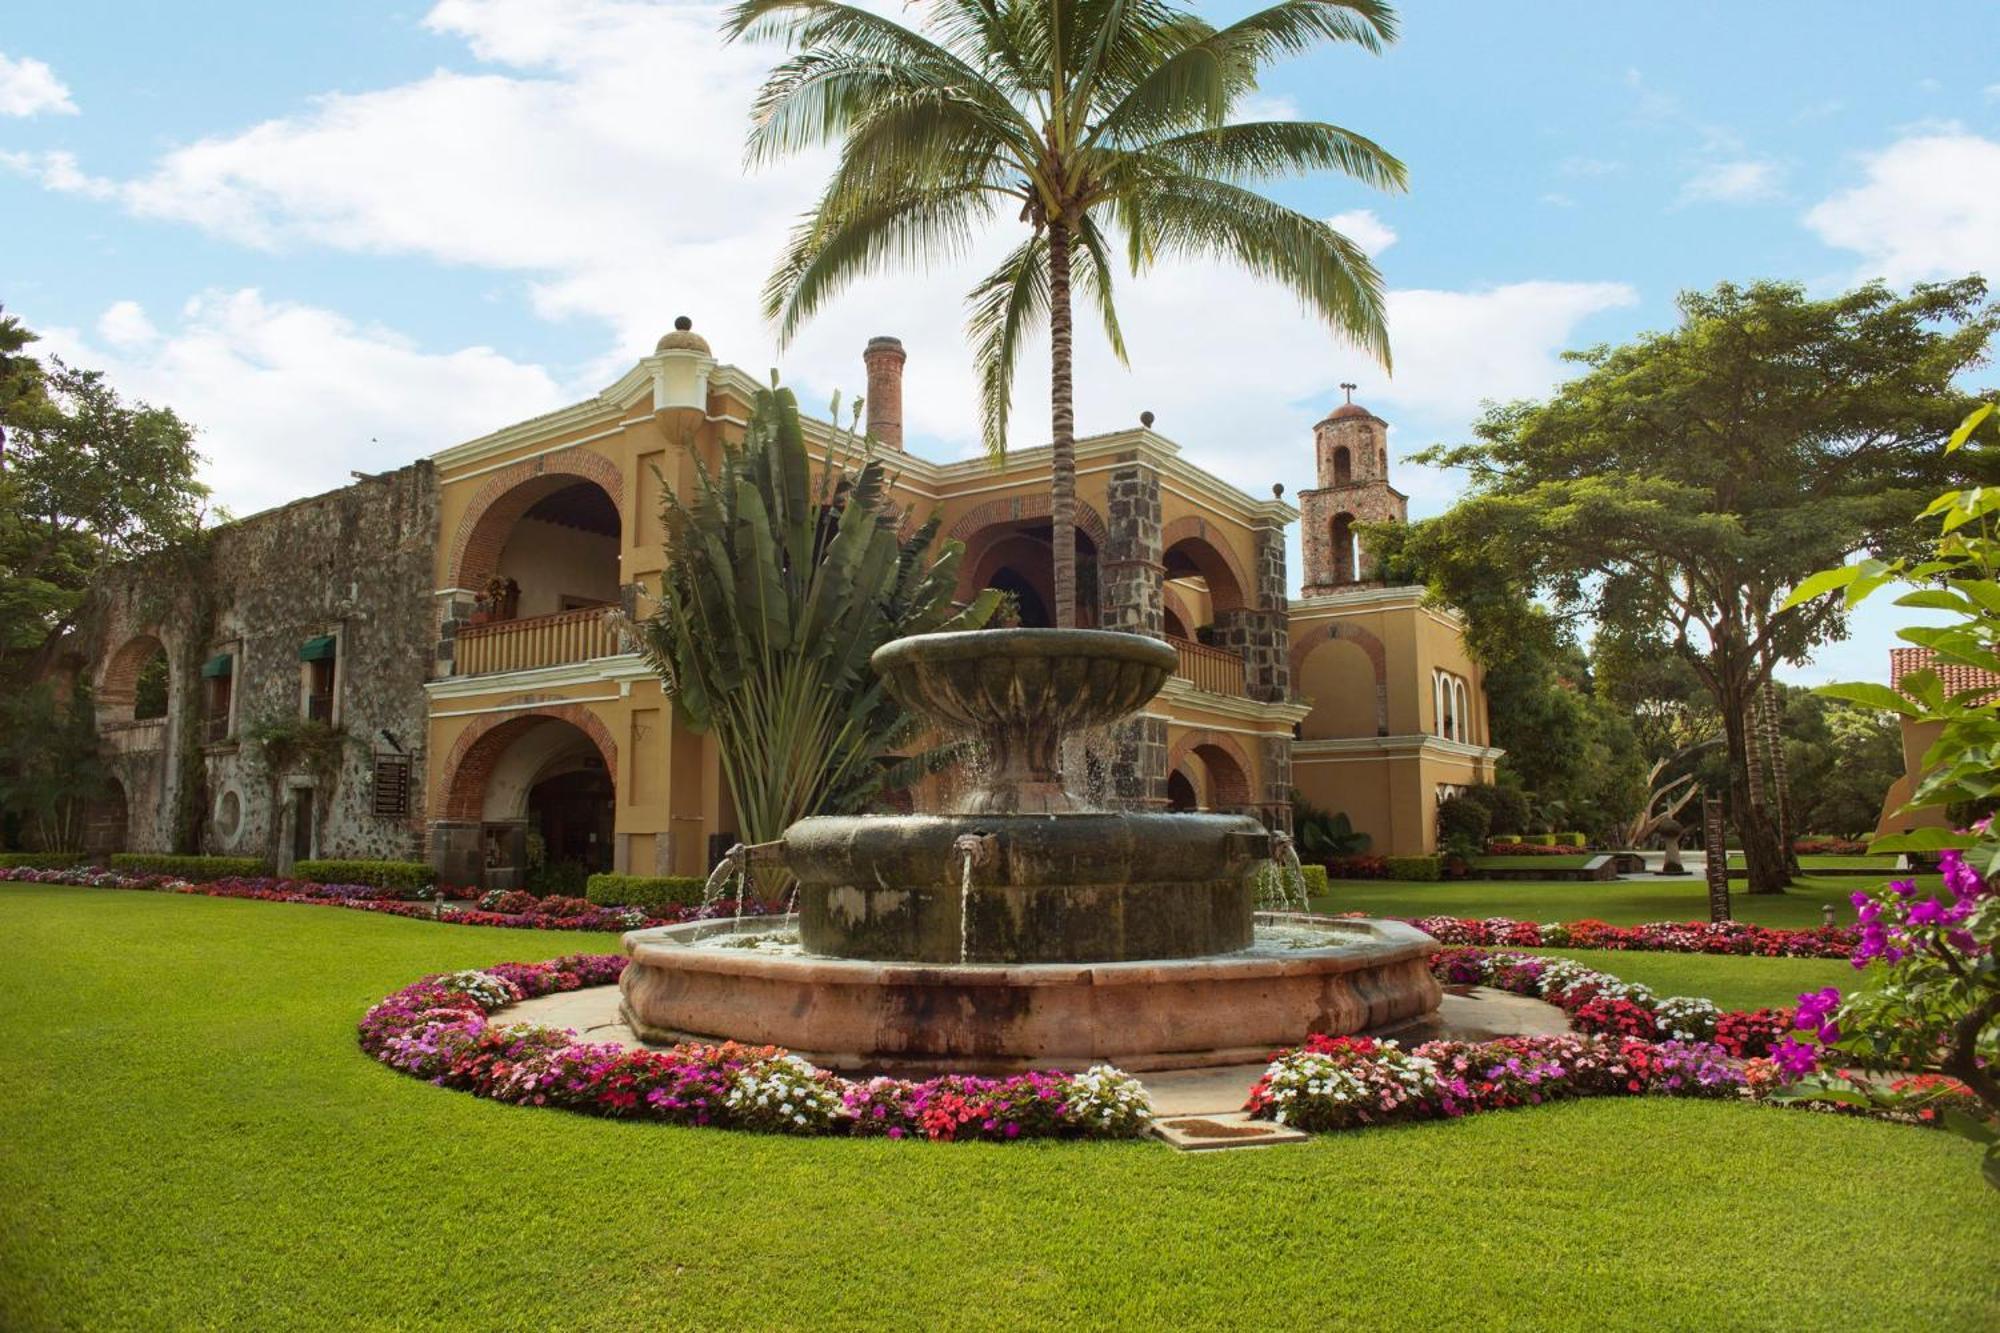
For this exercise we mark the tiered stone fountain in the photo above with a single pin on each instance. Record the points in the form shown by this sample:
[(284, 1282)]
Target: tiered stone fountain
[(1019, 930)]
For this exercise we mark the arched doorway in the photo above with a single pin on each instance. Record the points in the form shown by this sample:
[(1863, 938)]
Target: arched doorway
[(542, 790), (107, 822), (1181, 795)]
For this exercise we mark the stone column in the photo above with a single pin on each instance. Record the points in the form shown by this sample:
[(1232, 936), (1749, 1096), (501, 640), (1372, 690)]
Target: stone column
[(456, 853), (1131, 577), (1139, 764), (1262, 634), (1275, 756)]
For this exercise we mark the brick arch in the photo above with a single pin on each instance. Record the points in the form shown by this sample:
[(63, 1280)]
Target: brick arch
[(1223, 759), (1228, 583), (480, 747), (1378, 658), (1012, 508), (116, 687), (510, 493), (1174, 602)]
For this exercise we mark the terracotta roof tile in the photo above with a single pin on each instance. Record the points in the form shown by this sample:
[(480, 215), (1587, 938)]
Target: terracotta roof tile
[(1954, 677)]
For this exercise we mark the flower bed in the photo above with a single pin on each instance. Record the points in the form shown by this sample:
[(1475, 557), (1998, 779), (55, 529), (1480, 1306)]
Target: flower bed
[(1722, 937), (514, 910), (1627, 1042), (437, 1029)]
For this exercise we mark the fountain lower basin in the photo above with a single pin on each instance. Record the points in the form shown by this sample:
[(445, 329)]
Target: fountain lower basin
[(691, 981)]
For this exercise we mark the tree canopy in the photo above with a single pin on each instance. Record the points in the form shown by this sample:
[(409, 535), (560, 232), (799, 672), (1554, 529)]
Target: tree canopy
[(90, 480), (1681, 484)]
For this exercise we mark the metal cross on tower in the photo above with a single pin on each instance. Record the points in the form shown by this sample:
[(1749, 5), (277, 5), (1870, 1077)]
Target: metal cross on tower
[(1350, 389)]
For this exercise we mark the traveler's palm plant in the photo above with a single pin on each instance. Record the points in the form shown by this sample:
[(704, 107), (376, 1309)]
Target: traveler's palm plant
[(1101, 124), (778, 587)]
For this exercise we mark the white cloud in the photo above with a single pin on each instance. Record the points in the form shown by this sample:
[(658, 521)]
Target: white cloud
[(58, 170), (1739, 182), (1361, 226), (1926, 208), (125, 325), (28, 87), (288, 398)]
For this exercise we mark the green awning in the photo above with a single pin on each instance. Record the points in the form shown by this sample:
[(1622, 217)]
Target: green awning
[(317, 650), (222, 664)]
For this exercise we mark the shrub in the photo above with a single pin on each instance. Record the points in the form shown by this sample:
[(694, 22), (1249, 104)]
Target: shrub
[(1506, 806), (40, 860), (1569, 839), (415, 876), (1499, 848), (1819, 845), (1462, 820), (647, 891), (559, 879), (194, 869), (1356, 867), (1539, 839), (1414, 867)]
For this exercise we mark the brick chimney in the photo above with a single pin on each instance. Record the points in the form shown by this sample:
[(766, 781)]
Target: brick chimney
[(884, 360)]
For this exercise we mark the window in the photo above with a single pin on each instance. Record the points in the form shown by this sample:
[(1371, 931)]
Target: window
[(1450, 700), (319, 659), (218, 679)]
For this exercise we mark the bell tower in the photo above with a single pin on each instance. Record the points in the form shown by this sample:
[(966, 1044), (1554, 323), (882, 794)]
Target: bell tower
[(1351, 448)]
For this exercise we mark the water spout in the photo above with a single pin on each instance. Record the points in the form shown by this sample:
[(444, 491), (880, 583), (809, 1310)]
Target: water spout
[(1291, 875), (970, 850)]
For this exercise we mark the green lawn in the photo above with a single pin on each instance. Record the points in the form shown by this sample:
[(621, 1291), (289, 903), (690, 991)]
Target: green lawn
[(194, 1139), (1733, 983), (1829, 861), (1621, 902)]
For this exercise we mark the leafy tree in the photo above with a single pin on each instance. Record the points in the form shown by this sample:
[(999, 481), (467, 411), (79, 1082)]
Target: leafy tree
[(778, 588), (50, 770), (20, 374), (90, 480), (1681, 483), (1094, 122), (1843, 757)]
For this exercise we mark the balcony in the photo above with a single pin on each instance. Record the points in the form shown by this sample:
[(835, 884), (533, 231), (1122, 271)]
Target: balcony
[(1216, 670), (539, 641)]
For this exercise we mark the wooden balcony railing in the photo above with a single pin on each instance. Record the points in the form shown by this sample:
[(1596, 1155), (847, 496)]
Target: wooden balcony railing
[(540, 641), (1216, 670)]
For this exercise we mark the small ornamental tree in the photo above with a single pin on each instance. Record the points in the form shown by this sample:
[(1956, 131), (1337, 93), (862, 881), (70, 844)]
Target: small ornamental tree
[(779, 586), (1932, 995)]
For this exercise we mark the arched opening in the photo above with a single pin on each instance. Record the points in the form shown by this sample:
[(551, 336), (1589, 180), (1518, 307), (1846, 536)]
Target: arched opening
[(1201, 578), (1343, 466), (560, 554), (107, 821), (1172, 622), (1018, 556), (544, 794), (1181, 795), (1227, 787), (1338, 676), (1346, 549), (137, 685)]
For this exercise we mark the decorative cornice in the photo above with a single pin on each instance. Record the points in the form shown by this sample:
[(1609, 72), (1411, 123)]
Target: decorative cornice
[(1350, 600), (1417, 744), (622, 669), (1283, 716)]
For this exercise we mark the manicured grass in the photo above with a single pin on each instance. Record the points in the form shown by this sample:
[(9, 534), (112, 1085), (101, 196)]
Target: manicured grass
[(1531, 862), (1830, 861), (193, 1138), (1733, 983), (1624, 902)]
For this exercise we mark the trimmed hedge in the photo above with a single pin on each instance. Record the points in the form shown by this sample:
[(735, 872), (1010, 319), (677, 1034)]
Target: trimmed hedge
[(194, 869), (647, 891), (1415, 867), (40, 860), (414, 875)]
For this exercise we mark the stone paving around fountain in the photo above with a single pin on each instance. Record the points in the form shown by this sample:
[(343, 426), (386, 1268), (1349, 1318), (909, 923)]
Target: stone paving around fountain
[(1471, 1014)]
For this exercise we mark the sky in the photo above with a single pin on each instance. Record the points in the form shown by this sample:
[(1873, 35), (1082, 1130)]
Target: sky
[(340, 237)]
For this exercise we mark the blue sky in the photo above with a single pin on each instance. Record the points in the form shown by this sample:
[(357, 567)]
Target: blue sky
[(342, 236)]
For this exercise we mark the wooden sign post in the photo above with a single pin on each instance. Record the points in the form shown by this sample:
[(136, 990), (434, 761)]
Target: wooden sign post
[(1716, 842)]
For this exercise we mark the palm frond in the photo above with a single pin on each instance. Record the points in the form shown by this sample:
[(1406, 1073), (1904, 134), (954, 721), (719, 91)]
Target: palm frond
[(1262, 150), (1009, 304)]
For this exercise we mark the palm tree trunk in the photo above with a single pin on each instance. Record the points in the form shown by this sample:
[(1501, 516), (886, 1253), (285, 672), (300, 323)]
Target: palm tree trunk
[(1062, 437)]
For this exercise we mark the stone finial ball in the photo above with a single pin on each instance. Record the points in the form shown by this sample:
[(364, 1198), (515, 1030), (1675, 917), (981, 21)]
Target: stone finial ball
[(1277, 490), (1146, 420), (683, 323)]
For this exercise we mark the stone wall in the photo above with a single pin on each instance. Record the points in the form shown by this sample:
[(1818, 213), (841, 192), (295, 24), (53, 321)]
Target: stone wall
[(1131, 585), (356, 564)]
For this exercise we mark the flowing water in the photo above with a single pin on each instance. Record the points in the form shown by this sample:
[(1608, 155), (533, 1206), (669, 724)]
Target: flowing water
[(733, 865), (965, 908), (1290, 874)]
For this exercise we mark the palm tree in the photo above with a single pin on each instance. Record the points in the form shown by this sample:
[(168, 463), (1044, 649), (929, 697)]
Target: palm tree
[(1093, 121)]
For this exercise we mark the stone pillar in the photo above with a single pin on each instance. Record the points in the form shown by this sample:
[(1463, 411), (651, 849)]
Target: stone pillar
[(456, 853), (1139, 764), (883, 360), (1275, 761), (1131, 576)]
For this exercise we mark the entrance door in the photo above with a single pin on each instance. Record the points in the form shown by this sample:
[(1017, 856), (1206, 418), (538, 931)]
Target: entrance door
[(302, 824)]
